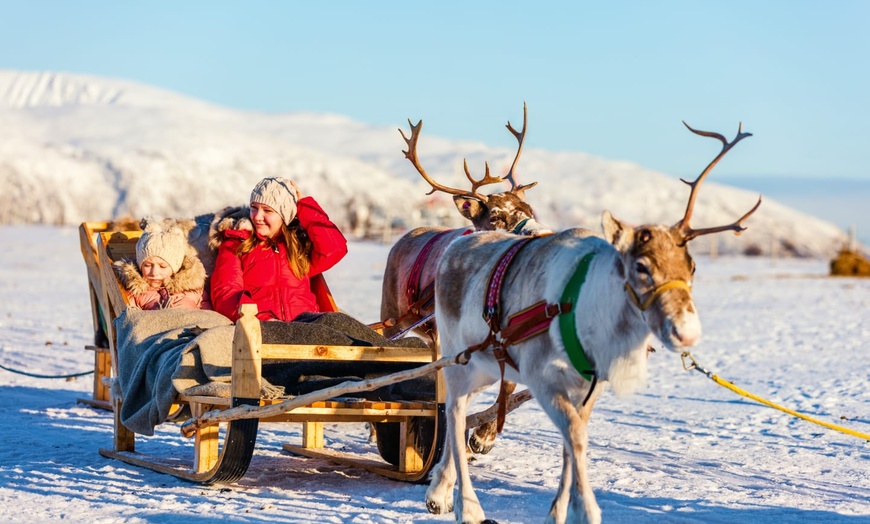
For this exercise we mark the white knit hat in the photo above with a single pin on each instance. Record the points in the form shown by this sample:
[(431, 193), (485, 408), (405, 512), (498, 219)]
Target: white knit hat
[(169, 244), (277, 193)]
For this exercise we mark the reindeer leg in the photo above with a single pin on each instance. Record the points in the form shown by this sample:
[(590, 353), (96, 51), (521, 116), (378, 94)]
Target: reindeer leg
[(439, 494), (581, 504), (559, 507), (466, 505), (583, 498), (483, 437)]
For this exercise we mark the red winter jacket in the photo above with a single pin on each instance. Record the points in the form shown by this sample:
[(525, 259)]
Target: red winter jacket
[(263, 276)]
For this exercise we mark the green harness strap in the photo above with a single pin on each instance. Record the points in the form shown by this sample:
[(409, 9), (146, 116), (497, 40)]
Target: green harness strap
[(567, 324)]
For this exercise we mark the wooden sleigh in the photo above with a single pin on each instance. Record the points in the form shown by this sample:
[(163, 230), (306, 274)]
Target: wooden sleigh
[(222, 453)]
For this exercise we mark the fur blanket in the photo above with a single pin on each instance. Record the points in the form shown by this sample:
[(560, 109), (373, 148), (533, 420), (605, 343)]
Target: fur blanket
[(164, 352)]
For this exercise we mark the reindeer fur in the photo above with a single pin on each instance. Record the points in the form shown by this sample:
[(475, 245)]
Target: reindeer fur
[(613, 331)]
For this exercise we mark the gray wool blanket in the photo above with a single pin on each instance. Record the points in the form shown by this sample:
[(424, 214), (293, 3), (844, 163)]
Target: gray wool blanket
[(165, 352), (151, 347)]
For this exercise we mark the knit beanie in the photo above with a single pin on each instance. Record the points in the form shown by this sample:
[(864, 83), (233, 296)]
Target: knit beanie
[(169, 244), (277, 193)]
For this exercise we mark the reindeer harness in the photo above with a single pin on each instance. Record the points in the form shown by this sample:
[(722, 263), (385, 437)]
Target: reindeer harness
[(530, 322), (648, 301), (420, 297)]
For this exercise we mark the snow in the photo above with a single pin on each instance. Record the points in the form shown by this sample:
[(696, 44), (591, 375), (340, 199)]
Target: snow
[(76, 147), (682, 450)]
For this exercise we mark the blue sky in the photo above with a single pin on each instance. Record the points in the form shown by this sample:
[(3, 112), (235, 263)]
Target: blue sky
[(613, 79)]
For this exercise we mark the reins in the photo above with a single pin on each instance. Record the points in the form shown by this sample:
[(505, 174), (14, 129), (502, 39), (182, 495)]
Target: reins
[(729, 385), (35, 375)]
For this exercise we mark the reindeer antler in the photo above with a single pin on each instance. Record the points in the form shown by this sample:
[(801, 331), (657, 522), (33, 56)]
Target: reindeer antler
[(683, 225), (521, 137), (411, 154), (476, 184)]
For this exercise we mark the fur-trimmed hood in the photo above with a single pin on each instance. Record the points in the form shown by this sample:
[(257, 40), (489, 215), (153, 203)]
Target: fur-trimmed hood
[(205, 232), (191, 276), (228, 218)]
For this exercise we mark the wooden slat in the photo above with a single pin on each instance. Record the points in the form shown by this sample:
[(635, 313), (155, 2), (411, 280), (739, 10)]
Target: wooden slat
[(206, 452), (247, 365), (355, 353), (409, 458), (312, 434), (376, 466), (335, 411), (99, 404)]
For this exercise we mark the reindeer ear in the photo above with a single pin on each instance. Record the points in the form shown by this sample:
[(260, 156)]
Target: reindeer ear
[(469, 207), (615, 232), (521, 190)]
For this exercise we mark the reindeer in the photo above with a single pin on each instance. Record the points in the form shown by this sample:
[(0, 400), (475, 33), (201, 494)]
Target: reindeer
[(609, 295), (406, 297)]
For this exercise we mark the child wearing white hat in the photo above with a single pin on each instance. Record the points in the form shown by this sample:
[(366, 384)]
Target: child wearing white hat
[(167, 273)]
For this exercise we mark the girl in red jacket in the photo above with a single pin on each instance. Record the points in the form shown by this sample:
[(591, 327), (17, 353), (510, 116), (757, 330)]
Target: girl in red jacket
[(293, 240)]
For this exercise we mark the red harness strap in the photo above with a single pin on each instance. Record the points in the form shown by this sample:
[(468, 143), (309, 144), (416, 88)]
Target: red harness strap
[(419, 299), (413, 288), (492, 316), (532, 321), (522, 325)]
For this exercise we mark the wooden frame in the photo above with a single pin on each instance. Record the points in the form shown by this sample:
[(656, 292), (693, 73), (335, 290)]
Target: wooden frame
[(100, 398), (216, 460)]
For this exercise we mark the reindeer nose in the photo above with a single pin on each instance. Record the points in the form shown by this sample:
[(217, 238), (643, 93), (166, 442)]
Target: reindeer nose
[(687, 336)]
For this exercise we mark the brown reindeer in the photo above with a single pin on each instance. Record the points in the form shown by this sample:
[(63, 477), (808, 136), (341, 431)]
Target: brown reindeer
[(407, 293), (606, 296)]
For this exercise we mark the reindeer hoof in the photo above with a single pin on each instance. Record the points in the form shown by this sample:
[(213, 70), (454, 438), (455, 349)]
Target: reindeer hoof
[(489, 521), (478, 446), (435, 508)]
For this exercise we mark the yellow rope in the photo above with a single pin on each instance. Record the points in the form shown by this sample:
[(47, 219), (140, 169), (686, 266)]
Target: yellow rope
[(739, 391)]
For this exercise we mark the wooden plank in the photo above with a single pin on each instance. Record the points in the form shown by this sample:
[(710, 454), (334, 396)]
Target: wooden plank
[(102, 364), (205, 446), (161, 465), (215, 401), (355, 353), (382, 468), (304, 415), (409, 458), (102, 368), (124, 439), (312, 434), (247, 364), (99, 404)]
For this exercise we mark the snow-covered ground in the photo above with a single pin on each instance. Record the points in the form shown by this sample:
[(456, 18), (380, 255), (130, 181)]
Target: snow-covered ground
[(683, 450)]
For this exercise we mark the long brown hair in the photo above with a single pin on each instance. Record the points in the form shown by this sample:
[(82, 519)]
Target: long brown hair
[(295, 240)]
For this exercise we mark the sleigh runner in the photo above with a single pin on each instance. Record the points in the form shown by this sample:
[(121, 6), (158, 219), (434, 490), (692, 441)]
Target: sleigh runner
[(409, 433)]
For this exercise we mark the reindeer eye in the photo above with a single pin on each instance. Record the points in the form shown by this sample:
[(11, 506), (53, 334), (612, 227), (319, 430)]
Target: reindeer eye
[(644, 236), (641, 268)]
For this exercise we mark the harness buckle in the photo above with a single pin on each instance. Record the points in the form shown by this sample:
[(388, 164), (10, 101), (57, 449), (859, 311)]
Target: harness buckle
[(490, 312), (559, 310)]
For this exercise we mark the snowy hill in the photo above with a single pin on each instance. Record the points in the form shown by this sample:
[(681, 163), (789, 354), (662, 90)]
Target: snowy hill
[(76, 148)]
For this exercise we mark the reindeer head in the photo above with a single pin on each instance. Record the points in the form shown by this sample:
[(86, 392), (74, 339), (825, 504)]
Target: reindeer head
[(505, 211), (657, 266)]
